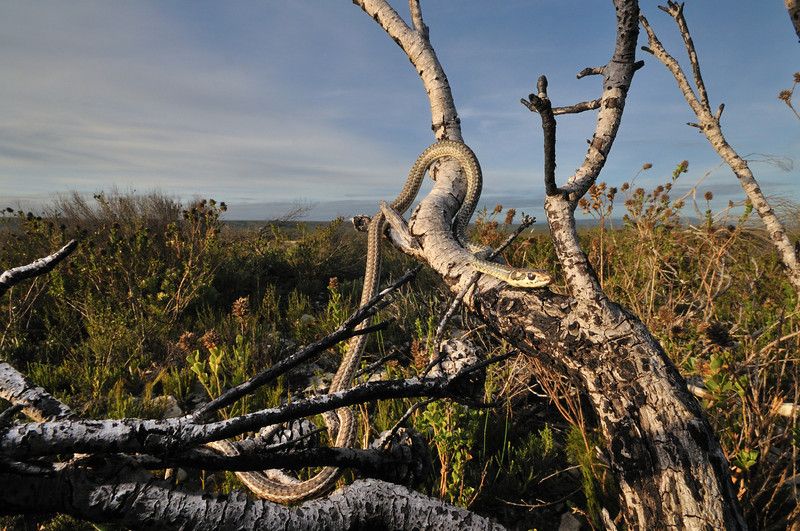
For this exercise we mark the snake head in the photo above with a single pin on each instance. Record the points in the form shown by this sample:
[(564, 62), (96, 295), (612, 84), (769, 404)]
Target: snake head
[(529, 278)]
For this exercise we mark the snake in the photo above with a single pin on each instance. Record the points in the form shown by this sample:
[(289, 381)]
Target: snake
[(282, 488)]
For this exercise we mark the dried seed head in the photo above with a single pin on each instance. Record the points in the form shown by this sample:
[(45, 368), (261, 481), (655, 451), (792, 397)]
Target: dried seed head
[(186, 341), (718, 334), (665, 314), (241, 307), (419, 354), (210, 339)]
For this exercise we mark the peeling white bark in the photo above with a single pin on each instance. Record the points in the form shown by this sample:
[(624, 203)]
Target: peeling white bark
[(36, 403), (670, 468)]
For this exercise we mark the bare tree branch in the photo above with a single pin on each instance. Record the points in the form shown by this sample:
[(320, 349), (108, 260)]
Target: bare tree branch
[(169, 435), (368, 462), (34, 269), (35, 402), (676, 11), (416, 46), (141, 502), (709, 124), (617, 77), (345, 331), (577, 108), (541, 104), (416, 18)]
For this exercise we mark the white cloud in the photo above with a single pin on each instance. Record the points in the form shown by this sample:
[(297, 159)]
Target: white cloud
[(254, 102)]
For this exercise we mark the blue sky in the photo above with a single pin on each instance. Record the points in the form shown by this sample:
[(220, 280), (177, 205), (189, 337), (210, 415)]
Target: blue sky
[(263, 104)]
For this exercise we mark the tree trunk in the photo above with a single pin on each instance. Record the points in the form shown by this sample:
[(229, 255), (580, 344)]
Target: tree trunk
[(793, 6), (671, 471)]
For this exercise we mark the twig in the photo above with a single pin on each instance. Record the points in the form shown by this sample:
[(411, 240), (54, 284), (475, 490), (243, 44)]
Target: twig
[(36, 268), (675, 10), (344, 331), (370, 368), (578, 107), (397, 425), (416, 19), (541, 105), (526, 222), (480, 365), (591, 71)]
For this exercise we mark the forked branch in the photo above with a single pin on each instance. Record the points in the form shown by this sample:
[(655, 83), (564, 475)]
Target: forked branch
[(541, 104)]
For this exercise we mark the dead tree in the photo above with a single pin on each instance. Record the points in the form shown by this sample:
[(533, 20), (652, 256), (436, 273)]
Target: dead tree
[(670, 469)]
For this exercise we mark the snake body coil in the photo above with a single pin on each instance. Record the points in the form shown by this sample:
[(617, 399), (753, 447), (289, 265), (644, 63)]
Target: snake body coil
[(279, 487)]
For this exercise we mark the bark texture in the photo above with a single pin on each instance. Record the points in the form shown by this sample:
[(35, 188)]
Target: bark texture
[(671, 471), (793, 6), (115, 490), (34, 401)]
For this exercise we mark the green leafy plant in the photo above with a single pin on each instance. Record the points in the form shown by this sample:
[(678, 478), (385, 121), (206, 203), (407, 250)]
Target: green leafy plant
[(453, 430)]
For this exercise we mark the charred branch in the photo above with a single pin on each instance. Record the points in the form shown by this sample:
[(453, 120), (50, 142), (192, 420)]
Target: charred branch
[(345, 331), (167, 436), (140, 501), (34, 401), (34, 269), (541, 104), (368, 462)]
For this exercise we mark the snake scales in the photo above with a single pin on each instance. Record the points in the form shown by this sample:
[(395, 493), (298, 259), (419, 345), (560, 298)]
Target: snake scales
[(279, 487)]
